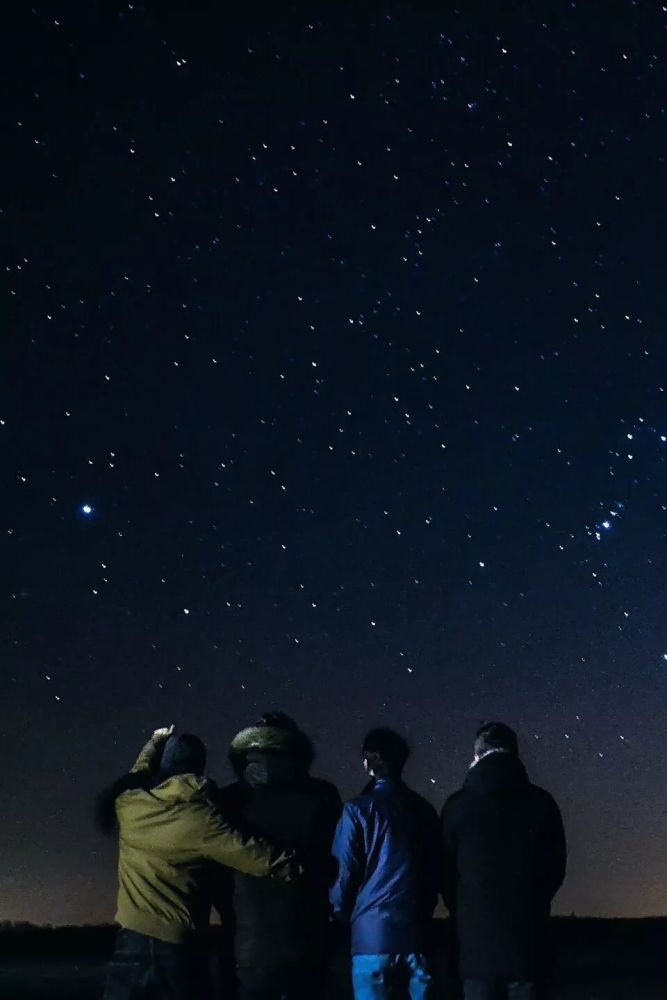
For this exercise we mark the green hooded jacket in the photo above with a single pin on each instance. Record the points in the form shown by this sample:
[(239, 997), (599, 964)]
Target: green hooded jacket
[(168, 835)]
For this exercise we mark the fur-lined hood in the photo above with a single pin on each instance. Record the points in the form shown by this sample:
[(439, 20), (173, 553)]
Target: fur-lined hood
[(268, 739)]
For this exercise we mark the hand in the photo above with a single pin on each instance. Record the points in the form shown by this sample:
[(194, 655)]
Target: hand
[(163, 734)]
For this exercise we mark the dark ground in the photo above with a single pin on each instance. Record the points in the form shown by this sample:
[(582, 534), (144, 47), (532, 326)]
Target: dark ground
[(595, 960)]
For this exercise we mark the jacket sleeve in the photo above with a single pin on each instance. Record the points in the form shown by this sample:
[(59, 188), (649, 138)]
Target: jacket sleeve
[(328, 817), (334, 809), (433, 856), (347, 851), (150, 754), (320, 863), (449, 864), (244, 852), (555, 861)]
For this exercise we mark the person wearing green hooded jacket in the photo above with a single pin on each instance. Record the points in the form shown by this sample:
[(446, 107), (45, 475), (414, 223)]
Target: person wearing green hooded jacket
[(170, 831)]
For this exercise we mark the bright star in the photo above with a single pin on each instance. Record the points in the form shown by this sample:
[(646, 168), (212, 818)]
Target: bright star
[(86, 509)]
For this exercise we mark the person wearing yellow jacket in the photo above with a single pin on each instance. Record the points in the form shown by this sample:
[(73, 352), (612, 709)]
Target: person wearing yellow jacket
[(169, 833)]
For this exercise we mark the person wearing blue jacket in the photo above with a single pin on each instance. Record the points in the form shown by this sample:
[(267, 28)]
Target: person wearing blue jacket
[(387, 849)]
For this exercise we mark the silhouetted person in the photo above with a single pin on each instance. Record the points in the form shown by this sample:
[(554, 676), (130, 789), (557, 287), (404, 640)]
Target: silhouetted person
[(504, 861), (168, 830), (388, 853), (282, 932)]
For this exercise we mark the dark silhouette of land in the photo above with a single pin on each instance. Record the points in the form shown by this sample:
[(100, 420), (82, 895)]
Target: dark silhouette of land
[(594, 960)]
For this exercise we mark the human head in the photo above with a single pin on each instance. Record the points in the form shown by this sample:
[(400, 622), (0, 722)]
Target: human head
[(183, 754), (384, 753), (275, 736), (495, 737), (278, 720)]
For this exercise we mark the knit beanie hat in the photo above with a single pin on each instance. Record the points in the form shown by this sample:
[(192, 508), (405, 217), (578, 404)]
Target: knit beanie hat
[(183, 754)]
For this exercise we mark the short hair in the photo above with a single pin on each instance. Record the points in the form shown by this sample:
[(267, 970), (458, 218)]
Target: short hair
[(496, 736), (385, 751)]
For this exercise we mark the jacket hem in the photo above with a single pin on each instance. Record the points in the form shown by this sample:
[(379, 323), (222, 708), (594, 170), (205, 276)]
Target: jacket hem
[(143, 923)]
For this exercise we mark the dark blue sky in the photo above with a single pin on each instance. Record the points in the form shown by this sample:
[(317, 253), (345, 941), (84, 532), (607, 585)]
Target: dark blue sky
[(349, 328)]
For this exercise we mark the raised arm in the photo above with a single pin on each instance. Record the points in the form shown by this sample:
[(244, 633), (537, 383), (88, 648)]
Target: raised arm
[(151, 752)]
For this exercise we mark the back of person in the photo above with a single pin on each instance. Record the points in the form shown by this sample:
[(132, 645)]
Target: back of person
[(387, 850), (505, 858), (397, 889), (169, 833), (286, 932), (283, 922), (162, 849)]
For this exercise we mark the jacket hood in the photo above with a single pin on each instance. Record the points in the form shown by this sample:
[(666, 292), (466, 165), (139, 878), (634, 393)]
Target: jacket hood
[(270, 742), (263, 738), (181, 788), (497, 774), (162, 785)]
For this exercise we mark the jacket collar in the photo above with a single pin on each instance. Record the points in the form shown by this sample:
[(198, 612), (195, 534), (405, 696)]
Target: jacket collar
[(182, 788), (385, 784), (497, 773)]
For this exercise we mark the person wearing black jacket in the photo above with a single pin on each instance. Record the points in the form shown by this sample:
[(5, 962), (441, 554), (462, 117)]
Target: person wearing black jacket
[(281, 938), (505, 856)]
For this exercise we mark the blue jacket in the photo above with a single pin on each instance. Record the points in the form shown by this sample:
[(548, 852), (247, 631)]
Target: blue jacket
[(387, 849)]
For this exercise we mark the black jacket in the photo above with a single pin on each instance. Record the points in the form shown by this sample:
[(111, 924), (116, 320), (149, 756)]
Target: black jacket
[(505, 859), (276, 796), (386, 846)]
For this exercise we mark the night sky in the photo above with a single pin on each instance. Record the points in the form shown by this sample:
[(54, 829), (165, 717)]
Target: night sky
[(334, 381)]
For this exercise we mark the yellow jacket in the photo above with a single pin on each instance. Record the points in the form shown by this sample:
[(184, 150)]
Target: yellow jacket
[(168, 835)]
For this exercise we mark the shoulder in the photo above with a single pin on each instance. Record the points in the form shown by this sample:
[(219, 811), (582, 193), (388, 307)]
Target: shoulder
[(544, 799), (350, 819), (195, 788), (454, 805), (229, 792), (456, 798), (422, 804), (323, 789), (356, 805), (230, 801), (359, 807)]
